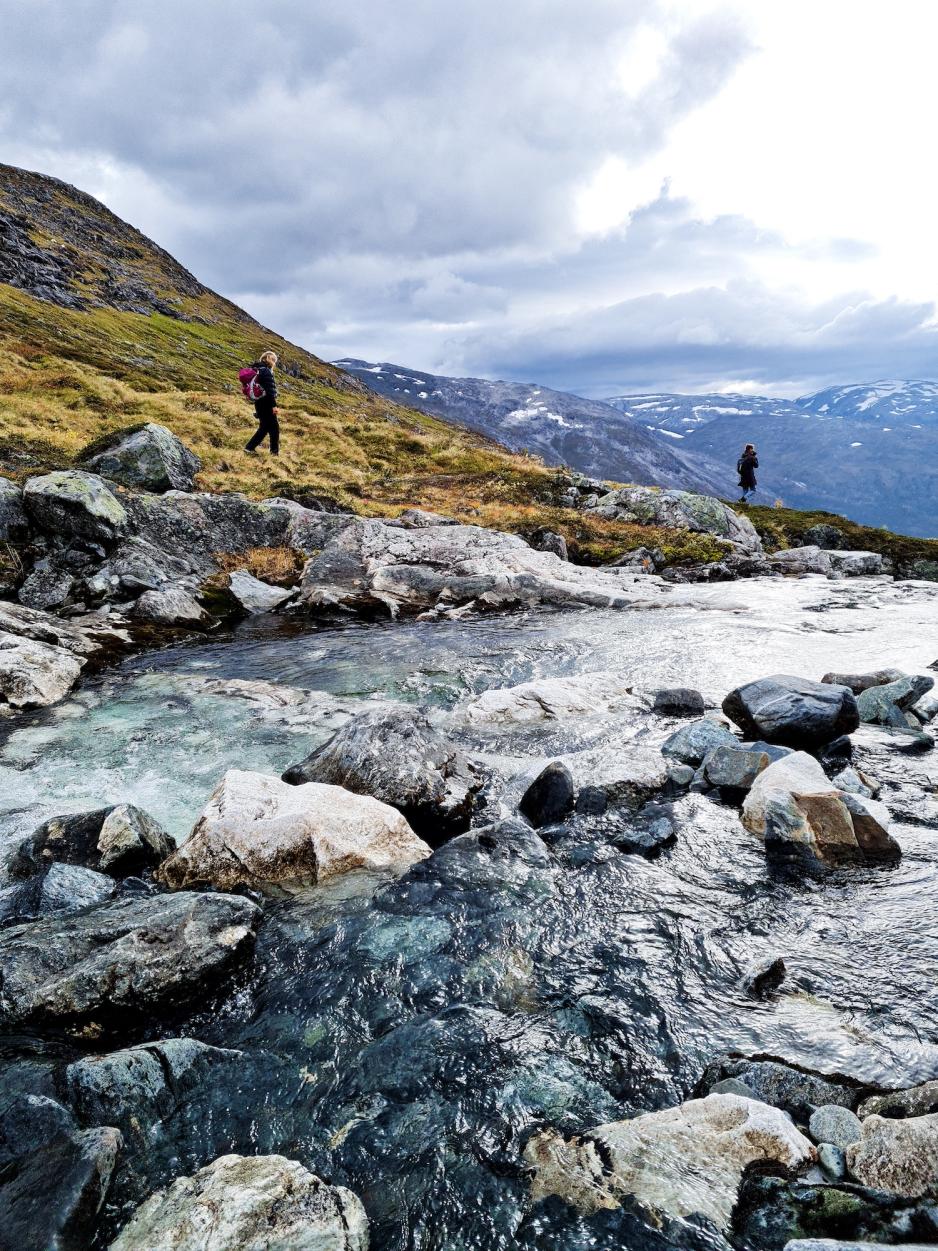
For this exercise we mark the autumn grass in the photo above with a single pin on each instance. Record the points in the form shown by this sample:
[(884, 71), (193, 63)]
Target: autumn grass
[(281, 566), (785, 527)]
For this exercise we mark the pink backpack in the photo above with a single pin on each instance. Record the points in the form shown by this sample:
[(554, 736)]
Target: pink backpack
[(251, 389)]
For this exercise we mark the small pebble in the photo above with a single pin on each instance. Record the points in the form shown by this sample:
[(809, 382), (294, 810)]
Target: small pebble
[(832, 1160)]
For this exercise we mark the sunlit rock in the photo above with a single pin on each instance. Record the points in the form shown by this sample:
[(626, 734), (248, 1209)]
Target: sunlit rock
[(901, 1156), (149, 457), (792, 711), (76, 504)]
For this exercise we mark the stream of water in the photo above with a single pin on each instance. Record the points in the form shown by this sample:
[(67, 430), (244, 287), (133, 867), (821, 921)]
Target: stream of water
[(405, 1037)]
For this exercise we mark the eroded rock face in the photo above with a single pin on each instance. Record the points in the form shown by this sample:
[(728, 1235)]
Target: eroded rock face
[(368, 566), (913, 1101), (120, 960), (685, 1160), (121, 840), (14, 524), (795, 807), (792, 711), (397, 757), (258, 831), (856, 564), (901, 1156), (75, 504), (683, 510), (246, 1203), (150, 458)]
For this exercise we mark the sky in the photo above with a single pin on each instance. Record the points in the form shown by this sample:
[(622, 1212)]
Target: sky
[(606, 196)]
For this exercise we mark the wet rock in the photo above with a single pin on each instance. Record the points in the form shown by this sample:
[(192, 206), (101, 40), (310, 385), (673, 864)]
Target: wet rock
[(75, 504), (14, 523), (50, 1197), (138, 1088), (855, 782), (682, 510), (799, 561), (860, 682), (58, 888), (549, 541), (679, 701), (373, 568), (241, 1202), (148, 457), (796, 809), (647, 833), (887, 705), (838, 1244), (691, 743), (835, 755), (681, 1161), (732, 1086), (592, 801), (122, 840), (897, 1155), (171, 606), (762, 978), (680, 775), (551, 699), (914, 1101), (736, 767), (832, 1160), (834, 1124), (259, 831), (400, 759), (856, 564), (785, 1086), (550, 797), (926, 709), (120, 961), (34, 674), (792, 711), (255, 596)]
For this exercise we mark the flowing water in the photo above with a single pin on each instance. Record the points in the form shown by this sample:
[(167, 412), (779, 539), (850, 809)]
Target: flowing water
[(405, 1037)]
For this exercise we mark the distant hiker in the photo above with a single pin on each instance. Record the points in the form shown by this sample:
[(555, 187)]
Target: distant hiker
[(746, 467), (259, 385)]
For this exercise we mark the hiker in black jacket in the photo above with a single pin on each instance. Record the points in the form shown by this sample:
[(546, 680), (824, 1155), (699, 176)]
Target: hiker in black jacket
[(265, 409), (746, 467)]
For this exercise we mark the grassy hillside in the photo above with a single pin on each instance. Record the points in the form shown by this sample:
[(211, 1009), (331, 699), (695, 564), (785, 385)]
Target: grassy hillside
[(101, 329)]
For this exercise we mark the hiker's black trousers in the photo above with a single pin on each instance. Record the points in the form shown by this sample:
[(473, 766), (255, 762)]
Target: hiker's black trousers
[(267, 425)]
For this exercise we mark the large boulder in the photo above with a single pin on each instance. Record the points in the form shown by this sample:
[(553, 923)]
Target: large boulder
[(795, 1090), (371, 567), (800, 561), (550, 796), (683, 1161), (856, 564), (888, 704), (75, 504), (860, 682), (400, 759), (14, 523), (679, 701), (259, 831), (148, 457), (248, 1203), (900, 1156), (120, 840), (120, 961), (798, 811), (171, 606), (34, 674), (138, 1088), (792, 711), (681, 510), (735, 767)]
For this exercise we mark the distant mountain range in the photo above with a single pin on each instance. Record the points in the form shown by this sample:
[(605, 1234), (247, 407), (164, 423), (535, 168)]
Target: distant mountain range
[(869, 451), (562, 429)]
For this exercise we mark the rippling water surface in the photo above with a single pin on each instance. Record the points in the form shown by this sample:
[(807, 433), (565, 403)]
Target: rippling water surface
[(405, 1037)]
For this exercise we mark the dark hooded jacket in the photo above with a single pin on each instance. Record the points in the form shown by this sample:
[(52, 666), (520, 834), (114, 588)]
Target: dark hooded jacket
[(747, 466), (265, 376)]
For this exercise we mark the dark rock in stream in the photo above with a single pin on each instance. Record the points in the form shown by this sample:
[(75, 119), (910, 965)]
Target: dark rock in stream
[(400, 759), (119, 963), (53, 1176), (679, 701), (762, 978), (54, 888), (550, 797), (691, 743), (797, 1091), (121, 840), (792, 711)]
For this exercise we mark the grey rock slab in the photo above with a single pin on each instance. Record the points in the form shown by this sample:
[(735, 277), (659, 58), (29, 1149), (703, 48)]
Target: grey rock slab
[(799, 561), (14, 523), (75, 504), (679, 701), (834, 1124), (886, 705), (856, 564), (913, 1101), (897, 1155), (150, 458), (735, 767), (248, 1203), (171, 606), (859, 682), (795, 1090), (58, 888), (792, 711), (256, 596), (399, 758), (121, 960), (34, 674), (691, 743)]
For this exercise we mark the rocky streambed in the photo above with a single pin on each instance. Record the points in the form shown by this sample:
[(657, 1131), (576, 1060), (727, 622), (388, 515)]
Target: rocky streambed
[(624, 1021)]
